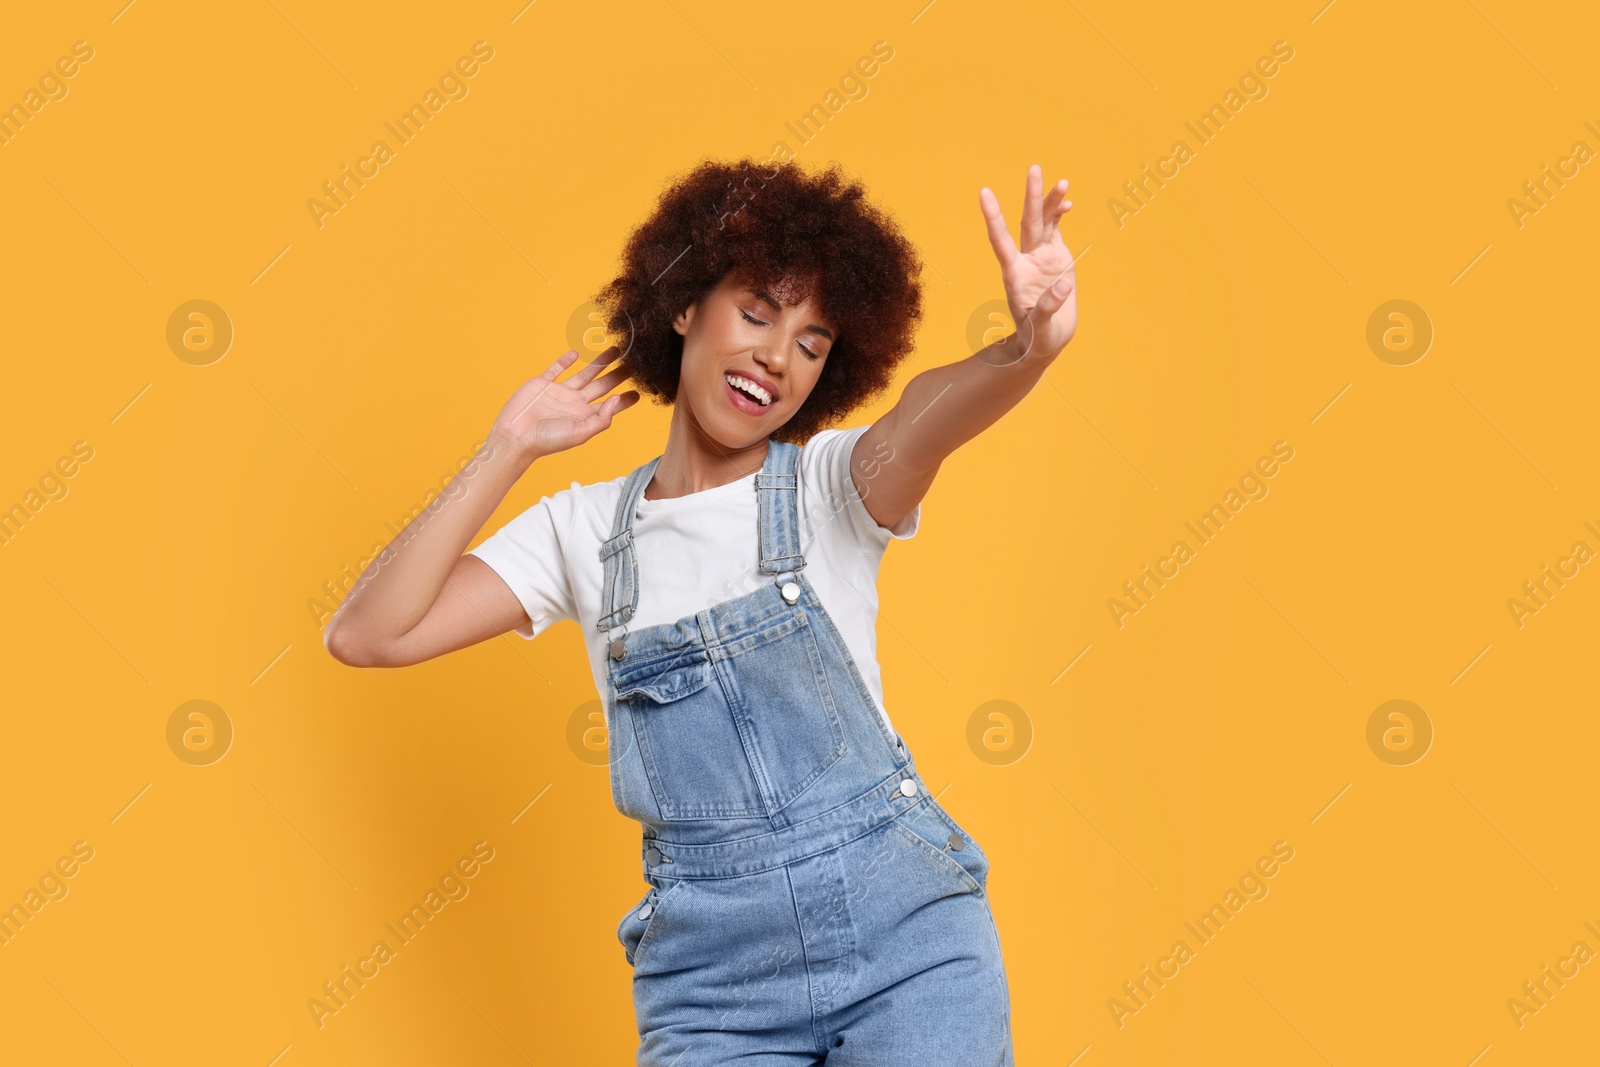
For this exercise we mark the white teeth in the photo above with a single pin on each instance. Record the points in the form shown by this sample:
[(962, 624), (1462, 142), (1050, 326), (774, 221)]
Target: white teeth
[(744, 384)]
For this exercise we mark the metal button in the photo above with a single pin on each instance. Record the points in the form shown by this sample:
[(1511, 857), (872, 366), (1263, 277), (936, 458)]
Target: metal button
[(908, 787), (652, 856), (647, 911), (956, 844), (616, 649), (791, 591)]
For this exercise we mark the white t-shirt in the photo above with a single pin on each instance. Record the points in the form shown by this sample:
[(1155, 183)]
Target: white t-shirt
[(699, 550)]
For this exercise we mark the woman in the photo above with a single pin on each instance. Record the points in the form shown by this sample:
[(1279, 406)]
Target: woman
[(809, 901)]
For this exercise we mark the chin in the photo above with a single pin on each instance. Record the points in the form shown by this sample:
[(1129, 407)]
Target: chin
[(734, 439), (728, 428)]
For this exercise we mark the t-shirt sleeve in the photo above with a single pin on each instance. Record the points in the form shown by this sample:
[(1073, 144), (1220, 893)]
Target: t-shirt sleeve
[(527, 555), (830, 492)]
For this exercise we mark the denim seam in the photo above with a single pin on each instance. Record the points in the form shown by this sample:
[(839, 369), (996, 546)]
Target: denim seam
[(880, 792), (805, 951)]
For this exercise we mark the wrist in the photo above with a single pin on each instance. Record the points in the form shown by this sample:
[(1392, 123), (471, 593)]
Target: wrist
[(1040, 343), (1046, 353), (502, 447), (1017, 349)]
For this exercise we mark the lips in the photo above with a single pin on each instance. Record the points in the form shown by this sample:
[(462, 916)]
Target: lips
[(757, 386), (743, 402)]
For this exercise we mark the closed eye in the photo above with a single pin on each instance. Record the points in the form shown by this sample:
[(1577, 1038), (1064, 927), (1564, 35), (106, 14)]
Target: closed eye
[(750, 318)]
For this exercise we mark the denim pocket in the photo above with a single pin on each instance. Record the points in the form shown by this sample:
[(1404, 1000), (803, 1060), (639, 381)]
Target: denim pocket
[(673, 683), (937, 834), (786, 705), (642, 922), (738, 734), (689, 739), (970, 855)]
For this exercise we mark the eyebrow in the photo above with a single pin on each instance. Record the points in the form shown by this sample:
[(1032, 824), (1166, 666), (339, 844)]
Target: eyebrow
[(767, 298)]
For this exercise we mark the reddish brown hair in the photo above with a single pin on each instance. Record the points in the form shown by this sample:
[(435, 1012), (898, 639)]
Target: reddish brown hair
[(793, 233)]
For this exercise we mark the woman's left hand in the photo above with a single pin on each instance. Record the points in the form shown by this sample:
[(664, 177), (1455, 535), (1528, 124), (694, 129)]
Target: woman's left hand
[(1039, 280)]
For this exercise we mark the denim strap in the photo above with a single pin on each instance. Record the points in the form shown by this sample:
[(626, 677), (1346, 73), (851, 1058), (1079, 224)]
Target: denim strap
[(620, 593), (778, 492), (778, 530)]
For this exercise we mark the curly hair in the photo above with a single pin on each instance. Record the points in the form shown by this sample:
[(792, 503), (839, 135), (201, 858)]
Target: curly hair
[(798, 234)]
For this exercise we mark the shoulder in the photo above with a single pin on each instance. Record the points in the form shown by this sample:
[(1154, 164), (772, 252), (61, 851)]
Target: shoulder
[(582, 511), (587, 494), (823, 462), (829, 490), (587, 505), (827, 453)]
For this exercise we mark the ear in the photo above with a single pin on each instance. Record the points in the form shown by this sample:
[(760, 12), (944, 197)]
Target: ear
[(685, 317)]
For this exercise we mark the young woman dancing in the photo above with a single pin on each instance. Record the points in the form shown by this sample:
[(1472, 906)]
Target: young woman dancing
[(809, 901)]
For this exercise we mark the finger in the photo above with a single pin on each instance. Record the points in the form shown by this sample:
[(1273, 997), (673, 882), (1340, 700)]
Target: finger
[(1054, 229), (1032, 209), (999, 237), (601, 386), (593, 367), (620, 402), (562, 362), (1053, 200), (1051, 300)]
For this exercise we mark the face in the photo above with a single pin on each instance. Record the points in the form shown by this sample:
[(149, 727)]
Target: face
[(750, 360)]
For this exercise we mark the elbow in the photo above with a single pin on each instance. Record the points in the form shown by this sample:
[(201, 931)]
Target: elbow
[(345, 644)]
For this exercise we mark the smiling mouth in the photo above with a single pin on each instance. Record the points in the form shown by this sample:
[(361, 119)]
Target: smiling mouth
[(748, 390)]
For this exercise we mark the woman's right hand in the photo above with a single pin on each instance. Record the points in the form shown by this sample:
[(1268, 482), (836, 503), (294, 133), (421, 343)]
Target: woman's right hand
[(546, 416)]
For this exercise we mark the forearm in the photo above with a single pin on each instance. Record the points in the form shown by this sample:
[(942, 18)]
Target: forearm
[(404, 581), (944, 407)]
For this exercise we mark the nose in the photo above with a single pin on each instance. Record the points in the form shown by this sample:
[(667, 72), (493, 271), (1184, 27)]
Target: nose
[(772, 354)]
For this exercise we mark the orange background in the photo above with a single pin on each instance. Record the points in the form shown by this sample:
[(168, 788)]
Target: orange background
[(1228, 313)]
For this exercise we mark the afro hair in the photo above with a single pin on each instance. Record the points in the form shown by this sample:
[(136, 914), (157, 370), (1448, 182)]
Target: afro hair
[(794, 233)]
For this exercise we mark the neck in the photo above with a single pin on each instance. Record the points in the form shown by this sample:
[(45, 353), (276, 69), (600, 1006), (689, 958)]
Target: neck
[(693, 462)]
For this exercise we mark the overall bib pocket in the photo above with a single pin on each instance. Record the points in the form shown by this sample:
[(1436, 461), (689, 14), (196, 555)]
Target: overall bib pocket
[(784, 705), (688, 738), (739, 735)]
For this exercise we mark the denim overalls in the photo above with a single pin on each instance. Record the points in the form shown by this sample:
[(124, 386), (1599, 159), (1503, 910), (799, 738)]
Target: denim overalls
[(810, 902)]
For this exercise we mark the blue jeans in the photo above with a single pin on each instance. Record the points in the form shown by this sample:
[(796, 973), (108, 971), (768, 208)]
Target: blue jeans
[(809, 902)]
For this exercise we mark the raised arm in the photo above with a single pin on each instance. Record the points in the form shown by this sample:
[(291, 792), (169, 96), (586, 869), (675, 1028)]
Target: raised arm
[(893, 463), (422, 597)]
